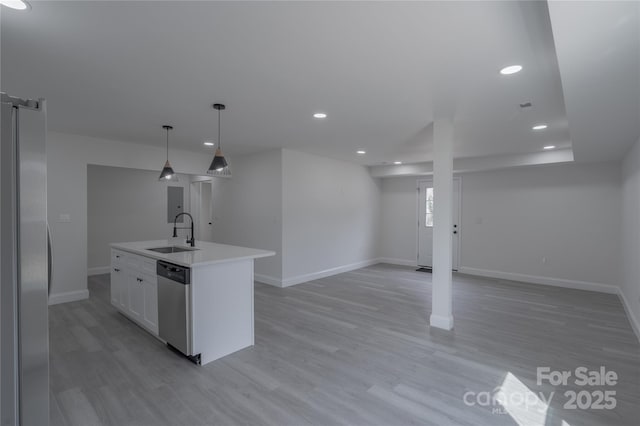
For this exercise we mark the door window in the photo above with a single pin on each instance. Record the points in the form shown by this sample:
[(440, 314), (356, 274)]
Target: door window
[(428, 222)]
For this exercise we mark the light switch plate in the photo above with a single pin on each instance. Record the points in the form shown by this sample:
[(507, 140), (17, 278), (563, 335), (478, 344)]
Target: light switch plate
[(64, 218)]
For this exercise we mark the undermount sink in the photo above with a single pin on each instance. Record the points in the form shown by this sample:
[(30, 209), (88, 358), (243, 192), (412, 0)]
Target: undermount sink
[(172, 249)]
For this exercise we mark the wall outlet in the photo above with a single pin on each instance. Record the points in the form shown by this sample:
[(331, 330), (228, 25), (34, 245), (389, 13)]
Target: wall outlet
[(64, 218)]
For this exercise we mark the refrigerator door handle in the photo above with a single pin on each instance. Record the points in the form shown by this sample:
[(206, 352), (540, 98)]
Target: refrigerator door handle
[(49, 260)]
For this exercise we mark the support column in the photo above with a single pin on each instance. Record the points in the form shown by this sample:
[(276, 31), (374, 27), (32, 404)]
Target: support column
[(441, 292)]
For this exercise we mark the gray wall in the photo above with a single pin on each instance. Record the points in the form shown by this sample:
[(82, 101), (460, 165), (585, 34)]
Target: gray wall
[(511, 219), (318, 214), (67, 160), (126, 205), (331, 216), (631, 235), (568, 214), (247, 208)]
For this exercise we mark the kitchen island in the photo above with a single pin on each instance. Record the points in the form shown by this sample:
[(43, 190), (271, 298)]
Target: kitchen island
[(217, 297)]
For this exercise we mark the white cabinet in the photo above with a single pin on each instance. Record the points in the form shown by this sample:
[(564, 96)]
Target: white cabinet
[(119, 286), (136, 295), (117, 283), (149, 286), (134, 288)]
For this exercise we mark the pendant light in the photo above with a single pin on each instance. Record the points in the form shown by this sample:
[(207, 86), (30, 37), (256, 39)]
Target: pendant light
[(219, 162), (167, 173)]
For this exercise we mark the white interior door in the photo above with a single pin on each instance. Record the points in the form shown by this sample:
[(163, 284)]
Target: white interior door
[(206, 212), (425, 223), (202, 209)]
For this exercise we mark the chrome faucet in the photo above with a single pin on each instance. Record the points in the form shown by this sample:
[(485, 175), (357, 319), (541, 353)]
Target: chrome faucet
[(192, 240)]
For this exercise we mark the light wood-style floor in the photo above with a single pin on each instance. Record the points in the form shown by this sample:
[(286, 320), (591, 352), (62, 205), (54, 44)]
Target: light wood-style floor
[(354, 349)]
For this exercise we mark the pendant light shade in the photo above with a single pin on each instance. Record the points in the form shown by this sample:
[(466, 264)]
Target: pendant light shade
[(219, 162), (167, 173)]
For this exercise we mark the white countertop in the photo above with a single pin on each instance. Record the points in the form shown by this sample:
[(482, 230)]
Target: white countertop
[(207, 253)]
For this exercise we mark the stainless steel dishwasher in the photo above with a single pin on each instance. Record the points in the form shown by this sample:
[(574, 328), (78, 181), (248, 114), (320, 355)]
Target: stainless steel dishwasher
[(174, 306)]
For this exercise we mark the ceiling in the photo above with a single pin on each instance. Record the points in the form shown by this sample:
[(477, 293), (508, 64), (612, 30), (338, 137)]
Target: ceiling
[(119, 70), (598, 46)]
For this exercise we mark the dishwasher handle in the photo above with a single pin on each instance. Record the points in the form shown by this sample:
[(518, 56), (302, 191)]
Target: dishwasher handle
[(173, 272)]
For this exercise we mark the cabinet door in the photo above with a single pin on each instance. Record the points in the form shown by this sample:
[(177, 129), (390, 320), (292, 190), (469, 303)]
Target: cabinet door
[(119, 280), (136, 295), (117, 283), (123, 296), (150, 314)]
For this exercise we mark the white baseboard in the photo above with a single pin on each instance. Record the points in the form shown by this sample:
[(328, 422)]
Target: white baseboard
[(442, 322), (280, 282), (327, 272), (401, 262), (626, 303), (266, 279), (99, 270), (69, 296), (534, 279)]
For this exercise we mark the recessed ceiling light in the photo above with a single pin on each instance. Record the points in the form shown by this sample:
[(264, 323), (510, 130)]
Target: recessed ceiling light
[(361, 152), (397, 162), (539, 127), (207, 143), (548, 147), (15, 4), (511, 69), (319, 115)]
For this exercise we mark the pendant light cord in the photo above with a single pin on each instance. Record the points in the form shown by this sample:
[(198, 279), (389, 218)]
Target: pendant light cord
[(219, 140), (167, 144)]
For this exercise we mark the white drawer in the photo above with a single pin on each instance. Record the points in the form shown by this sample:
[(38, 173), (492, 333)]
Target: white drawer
[(117, 256), (140, 263), (148, 266), (134, 262)]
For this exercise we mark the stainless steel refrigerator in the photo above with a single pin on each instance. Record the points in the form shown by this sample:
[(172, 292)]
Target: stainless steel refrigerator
[(24, 264)]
